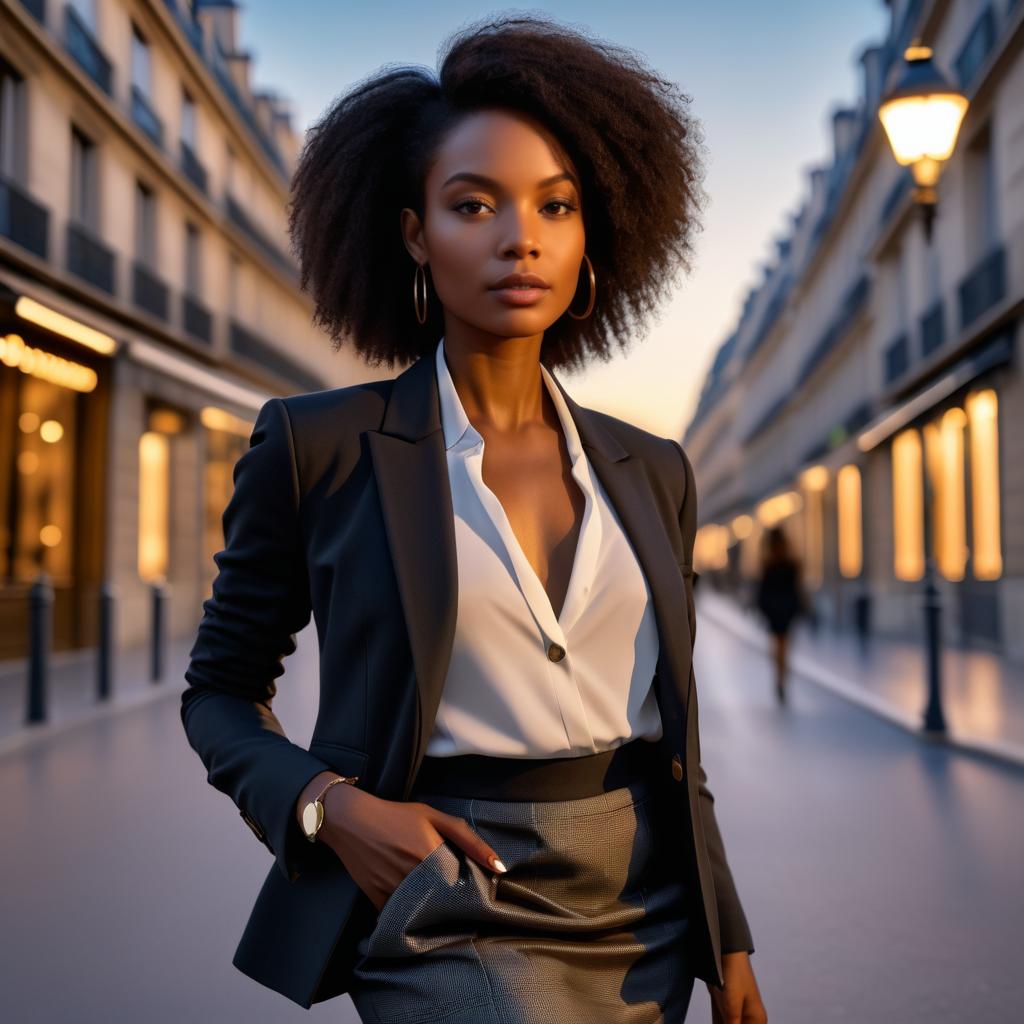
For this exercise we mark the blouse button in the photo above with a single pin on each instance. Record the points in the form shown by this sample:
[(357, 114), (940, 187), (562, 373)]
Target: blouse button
[(556, 652)]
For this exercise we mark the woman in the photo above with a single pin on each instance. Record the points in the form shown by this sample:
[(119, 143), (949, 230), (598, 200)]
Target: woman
[(502, 815), (779, 598)]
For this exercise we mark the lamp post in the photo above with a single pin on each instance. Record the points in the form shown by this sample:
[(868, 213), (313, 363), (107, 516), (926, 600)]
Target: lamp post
[(921, 114)]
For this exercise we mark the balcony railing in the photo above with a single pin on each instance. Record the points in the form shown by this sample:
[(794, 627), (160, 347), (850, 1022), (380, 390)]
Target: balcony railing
[(192, 168), (148, 291), (22, 219), (89, 258), (145, 117), (79, 42), (247, 343), (897, 359), (852, 303), (196, 319), (983, 287), (933, 329), (240, 218)]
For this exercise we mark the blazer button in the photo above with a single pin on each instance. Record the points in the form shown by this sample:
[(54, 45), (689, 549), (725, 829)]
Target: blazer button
[(556, 652), (677, 767)]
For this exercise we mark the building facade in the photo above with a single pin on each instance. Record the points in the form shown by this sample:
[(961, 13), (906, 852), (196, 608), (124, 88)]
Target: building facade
[(148, 302), (870, 399)]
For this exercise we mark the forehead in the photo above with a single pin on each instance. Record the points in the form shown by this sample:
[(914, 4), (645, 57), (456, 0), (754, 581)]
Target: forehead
[(510, 147)]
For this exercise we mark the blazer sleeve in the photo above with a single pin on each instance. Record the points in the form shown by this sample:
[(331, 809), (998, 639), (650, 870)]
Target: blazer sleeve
[(734, 930), (260, 600)]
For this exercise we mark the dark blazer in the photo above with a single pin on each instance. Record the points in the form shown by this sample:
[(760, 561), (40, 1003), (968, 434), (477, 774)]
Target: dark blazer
[(342, 510)]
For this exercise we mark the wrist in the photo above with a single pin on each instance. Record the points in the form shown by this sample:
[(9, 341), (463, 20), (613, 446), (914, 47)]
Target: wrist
[(312, 790)]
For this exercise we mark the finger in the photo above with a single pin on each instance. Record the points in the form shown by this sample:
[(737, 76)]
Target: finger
[(458, 829)]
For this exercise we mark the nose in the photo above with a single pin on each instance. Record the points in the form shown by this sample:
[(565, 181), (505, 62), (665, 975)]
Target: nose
[(520, 234)]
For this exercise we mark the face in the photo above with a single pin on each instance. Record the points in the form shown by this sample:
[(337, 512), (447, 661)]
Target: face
[(501, 198)]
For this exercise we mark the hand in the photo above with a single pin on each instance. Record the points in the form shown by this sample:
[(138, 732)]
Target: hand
[(739, 1002), (380, 841)]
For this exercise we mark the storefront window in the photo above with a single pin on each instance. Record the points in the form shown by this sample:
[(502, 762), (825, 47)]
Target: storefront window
[(227, 437), (944, 449), (907, 506), (983, 421), (39, 488), (850, 515)]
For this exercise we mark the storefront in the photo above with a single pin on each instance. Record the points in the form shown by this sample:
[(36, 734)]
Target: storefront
[(54, 402)]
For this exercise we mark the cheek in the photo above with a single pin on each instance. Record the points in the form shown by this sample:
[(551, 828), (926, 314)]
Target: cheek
[(457, 254)]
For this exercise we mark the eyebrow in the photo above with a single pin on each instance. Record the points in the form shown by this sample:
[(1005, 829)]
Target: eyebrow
[(482, 179)]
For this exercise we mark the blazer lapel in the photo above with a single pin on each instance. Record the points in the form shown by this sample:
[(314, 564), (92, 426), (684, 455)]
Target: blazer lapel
[(411, 470), (412, 480), (625, 481)]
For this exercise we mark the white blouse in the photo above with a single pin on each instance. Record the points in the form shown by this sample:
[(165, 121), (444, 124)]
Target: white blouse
[(522, 683)]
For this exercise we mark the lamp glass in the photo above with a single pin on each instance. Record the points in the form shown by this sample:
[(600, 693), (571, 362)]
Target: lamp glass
[(921, 127)]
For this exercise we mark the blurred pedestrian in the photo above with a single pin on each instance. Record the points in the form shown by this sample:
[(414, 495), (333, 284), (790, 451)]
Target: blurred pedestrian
[(780, 598)]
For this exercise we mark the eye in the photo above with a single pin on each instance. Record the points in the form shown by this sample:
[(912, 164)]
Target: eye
[(469, 202), (569, 205)]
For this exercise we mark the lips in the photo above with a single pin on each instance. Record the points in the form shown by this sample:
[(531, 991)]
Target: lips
[(520, 281)]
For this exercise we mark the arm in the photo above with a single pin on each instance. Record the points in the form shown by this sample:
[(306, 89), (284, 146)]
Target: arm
[(735, 933), (260, 600)]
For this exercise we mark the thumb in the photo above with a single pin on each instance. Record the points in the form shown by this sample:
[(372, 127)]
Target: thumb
[(458, 830)]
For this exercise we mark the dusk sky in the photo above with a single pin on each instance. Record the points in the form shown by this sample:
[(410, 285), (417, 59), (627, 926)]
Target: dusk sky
[(763, 77)]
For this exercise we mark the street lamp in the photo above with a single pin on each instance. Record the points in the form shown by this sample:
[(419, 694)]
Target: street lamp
[(921, 115)]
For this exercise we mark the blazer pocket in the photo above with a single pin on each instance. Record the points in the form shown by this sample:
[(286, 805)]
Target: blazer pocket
[(343, 759)]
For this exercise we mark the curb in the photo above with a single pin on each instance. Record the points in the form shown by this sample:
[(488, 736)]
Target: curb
[(814, 672), (31, 735)]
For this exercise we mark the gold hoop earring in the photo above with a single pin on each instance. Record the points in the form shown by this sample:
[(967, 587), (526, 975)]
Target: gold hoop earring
[(422, 317), (593, 294)]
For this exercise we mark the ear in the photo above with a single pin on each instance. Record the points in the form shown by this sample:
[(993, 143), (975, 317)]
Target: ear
[(412, 234)]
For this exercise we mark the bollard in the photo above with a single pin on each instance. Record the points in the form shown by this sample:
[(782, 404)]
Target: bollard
[(40, 641), (159, 590), (934, 719), (105, 641), (862, 619)]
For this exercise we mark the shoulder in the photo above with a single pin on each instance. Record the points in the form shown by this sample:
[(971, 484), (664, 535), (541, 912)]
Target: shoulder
[(352, 405), (326, 427), (664, 460)]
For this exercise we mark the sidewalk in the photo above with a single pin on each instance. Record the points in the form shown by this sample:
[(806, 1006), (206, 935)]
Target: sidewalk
[(71, 690), (982, 694)]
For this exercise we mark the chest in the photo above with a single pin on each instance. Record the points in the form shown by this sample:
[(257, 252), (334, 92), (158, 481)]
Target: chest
[(541, 503)]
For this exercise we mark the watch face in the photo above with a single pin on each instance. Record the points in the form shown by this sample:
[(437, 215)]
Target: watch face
[(312, 817)]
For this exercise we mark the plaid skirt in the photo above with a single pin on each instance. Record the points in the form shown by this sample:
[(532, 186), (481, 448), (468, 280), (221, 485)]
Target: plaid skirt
[(587, 926)]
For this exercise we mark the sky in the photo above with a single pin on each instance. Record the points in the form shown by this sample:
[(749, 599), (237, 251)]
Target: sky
[(764, 78)]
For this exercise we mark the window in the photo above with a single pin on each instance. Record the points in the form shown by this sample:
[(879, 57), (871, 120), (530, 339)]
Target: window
[(982, 220), (141, 68), (983, 422), (12, 123), (145, 225), (192, 268), (86, 11), (907, 506), (154, 504), (962, 442), (84, 206), (156, 451), (37, 478), (850, 515), (188, 120), (234, 273), (944, 451), (814, 481)]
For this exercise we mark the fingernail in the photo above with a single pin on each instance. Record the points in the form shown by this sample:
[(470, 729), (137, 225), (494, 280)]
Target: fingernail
[(498, 866)]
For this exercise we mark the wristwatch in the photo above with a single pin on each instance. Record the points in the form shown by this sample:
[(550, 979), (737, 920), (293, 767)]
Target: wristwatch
[(313, 812)]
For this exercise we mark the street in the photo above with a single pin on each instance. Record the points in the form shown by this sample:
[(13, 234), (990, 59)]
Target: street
[(881, 876)]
